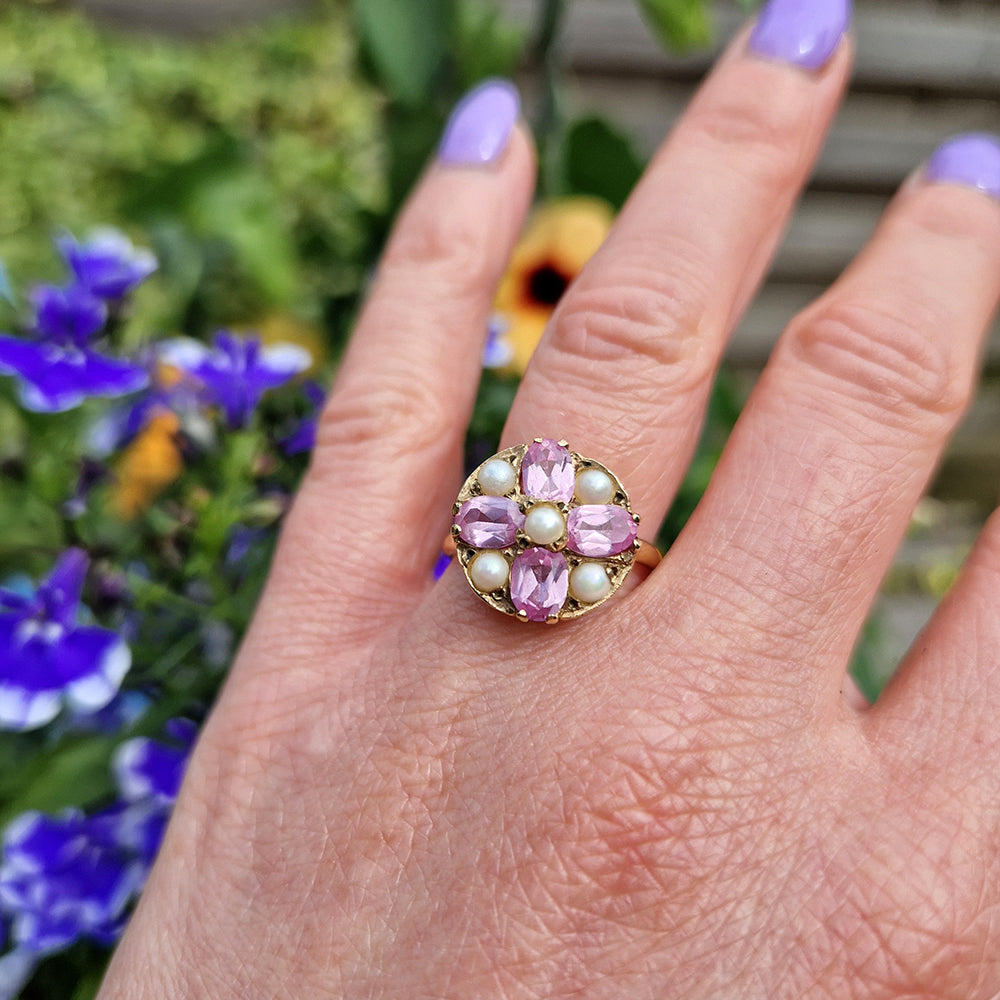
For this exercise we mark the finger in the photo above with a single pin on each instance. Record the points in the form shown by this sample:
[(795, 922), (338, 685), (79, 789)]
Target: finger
[(376, 501), (840, 437), (625, 367), (942, 704)]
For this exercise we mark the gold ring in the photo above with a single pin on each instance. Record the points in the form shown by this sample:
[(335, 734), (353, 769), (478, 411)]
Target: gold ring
[(544, 534)]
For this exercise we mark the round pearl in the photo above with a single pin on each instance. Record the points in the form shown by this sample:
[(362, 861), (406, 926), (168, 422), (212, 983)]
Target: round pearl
[(544, 524), (497, 477), (589, 583), (488, 571), (594, 486)]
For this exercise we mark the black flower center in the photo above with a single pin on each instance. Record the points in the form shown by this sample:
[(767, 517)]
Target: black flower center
[(546, 285)]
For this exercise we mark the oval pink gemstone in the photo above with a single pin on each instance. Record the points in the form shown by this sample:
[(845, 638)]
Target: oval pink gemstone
[(600, 530), (539, 583), (489, 522), (547, 472)]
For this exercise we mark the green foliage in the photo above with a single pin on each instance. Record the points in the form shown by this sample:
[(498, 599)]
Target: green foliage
[(596, 158), (260, 151), (424, 55), (680, 24), (407, 43)]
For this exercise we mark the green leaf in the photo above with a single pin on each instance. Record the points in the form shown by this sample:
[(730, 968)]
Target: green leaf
[(89, 984), (597, 159), (485, 44), (407, 41), (27, 522), (239, 208), (679, 24), (411, 135), (75, 773)]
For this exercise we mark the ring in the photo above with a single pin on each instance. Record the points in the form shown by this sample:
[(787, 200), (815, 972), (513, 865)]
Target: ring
[(543, 533)]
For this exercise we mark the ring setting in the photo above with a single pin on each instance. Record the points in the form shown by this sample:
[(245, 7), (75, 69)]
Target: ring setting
[(545, 534)]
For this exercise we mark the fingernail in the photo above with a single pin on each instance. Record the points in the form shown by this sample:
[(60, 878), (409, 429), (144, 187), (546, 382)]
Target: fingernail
[(972, 159), (804, 33), (481, 124)]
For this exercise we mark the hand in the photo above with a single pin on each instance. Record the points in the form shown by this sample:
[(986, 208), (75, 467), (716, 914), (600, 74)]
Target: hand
[(402, 794)]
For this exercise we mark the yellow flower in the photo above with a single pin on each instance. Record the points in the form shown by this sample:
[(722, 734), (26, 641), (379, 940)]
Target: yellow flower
[(147, 466), (562, 235)]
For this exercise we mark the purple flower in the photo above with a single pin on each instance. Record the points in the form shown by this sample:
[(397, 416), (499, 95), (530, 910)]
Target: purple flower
[(242, 541), (148, 774), (235, 372), (63, 878), (303, 435), (152, 770), (70, 316), (497, 352), (55, 377), (47, 658), (442, 564), (107, 263)]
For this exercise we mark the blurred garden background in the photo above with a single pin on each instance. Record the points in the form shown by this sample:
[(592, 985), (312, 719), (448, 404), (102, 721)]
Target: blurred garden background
[(193, 194)]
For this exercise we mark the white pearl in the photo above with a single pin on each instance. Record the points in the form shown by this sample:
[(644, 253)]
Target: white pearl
[(594, 486), (589, 583), (497, 477), (488, 571), (544, 524)]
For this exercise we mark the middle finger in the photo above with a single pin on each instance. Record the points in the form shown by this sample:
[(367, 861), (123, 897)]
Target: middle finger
[(624, 369)]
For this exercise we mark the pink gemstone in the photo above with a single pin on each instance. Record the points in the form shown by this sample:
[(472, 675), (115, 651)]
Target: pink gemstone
[(539, 582), (489, 522), (600, 530), (547, 472)]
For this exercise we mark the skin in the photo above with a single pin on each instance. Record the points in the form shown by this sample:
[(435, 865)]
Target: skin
[(402, 794)]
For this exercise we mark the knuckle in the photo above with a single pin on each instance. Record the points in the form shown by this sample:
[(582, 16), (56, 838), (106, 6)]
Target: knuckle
[(901, 367), (940, 211), (639, 316), (762, 133), (401, 416), (439, 249)]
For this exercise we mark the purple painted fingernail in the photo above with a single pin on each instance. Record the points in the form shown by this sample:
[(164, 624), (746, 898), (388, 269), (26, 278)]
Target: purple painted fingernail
[(481, 124), (972, 160), (804, 33)]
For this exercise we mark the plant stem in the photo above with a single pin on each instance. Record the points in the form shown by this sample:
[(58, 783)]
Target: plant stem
[(547, 57)]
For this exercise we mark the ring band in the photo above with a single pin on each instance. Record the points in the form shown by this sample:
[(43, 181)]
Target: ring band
[(646, 554), (545, 534)]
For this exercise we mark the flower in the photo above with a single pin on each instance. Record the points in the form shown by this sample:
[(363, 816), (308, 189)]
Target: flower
[(54, 378), (150, 463), (441, 566), (63, 878), (147, 769), (72, 876), (148, 775), (47, 658), (303, 436), (70, 315), (58, 368), (108, 264), (561, 237), (497, 352), (235, 372)]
